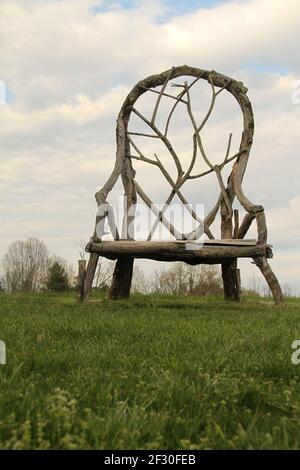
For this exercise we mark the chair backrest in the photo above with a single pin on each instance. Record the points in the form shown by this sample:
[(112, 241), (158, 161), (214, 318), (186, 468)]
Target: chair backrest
[(129, 151)]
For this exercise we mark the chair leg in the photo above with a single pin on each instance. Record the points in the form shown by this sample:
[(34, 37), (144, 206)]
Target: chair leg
[(231, 280), (122, 277), (272, 281), (89, 276)]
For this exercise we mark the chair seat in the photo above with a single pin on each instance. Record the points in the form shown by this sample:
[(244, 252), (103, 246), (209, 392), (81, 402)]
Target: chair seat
[(193, 252)]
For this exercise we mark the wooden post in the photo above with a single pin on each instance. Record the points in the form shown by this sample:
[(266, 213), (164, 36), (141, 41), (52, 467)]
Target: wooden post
[(122, 276), (236, 223), (89, 276), (266, 270), (81, 277), (238, 283), (228, 266), (121, 282)]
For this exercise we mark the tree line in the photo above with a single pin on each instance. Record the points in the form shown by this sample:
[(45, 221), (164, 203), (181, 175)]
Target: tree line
[(28, 267)]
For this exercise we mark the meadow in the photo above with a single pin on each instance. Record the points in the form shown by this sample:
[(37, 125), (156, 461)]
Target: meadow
[(152, 372)]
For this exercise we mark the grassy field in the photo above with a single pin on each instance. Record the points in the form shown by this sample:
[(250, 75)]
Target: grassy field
[(152, 372)]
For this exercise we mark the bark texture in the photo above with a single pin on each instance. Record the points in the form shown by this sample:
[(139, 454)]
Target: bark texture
[(121, 282), (81, 277)]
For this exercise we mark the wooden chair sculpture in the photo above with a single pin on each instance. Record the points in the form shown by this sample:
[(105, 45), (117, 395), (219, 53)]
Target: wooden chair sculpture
[(225, 250)]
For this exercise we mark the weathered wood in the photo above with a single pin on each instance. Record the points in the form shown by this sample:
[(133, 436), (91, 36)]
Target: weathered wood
[(90, 273), (122, 277), (166, 257), (140, 249), (81, 277), (245, 225), (226, 252), (236, 223), (158, 213), (273, 283), (222, 241), (223, 191), (261, 227), (228, 267), (231, 290), (238, 284)]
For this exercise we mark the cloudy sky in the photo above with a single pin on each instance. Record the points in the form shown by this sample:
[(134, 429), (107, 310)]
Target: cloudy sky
[(67, 66)]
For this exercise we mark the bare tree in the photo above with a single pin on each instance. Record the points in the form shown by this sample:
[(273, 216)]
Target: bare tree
[(289, 291), (184, 279), (103, 274), (139, 281), (25, 266), (80, 248)]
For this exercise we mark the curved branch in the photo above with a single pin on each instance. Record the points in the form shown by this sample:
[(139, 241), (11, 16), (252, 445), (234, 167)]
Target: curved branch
[(196, 131), (157, 212), (141, 134), (160, 96), (199, 175), (178, 99), (164, 139), (163, 94), (187, 175), (141, 155), (223, 190), (212, 104), (228, 149)]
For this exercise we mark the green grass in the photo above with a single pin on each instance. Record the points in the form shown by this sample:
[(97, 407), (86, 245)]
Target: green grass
[(151, 372)]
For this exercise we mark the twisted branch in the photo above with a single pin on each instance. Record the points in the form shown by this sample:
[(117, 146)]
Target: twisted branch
[(197, 143), (164, 139)]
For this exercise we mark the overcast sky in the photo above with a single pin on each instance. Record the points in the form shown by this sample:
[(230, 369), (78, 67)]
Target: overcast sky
[(67, 66)]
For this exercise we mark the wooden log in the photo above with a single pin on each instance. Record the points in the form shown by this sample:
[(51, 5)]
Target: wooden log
[(172, 258), (245, 225), (122, 276), (236, 223), (238, 284), (121, 282), (90, 273), (273, 283), (230, 280), (213, 242), (261, 227), (184, 249), (228, 266), (81, 277), (231, 242)]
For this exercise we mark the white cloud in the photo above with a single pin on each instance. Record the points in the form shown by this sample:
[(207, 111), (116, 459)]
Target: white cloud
[(70, 71)]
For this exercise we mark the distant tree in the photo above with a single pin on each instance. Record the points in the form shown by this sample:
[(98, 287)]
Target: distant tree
[(25, 265), (184, 279), (103, 274), (57, 278), (1, 287), (67, 267), (139, 281), (80, 248)]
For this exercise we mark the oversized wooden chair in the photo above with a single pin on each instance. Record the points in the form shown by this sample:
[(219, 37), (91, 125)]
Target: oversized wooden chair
[(231, 244)]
